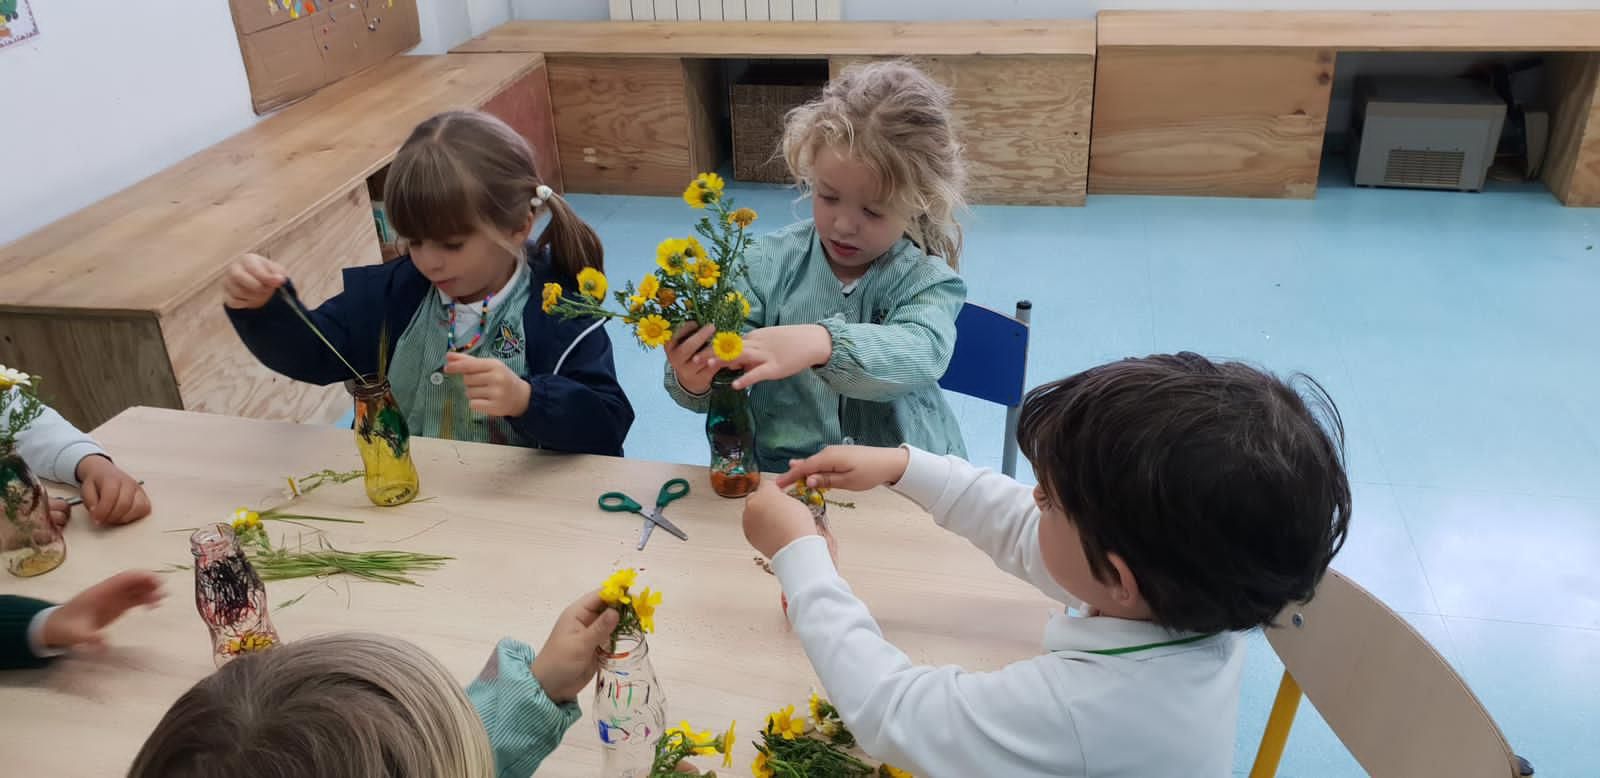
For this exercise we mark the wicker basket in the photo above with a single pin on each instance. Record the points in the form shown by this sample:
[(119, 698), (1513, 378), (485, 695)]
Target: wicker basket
[(758, 111)]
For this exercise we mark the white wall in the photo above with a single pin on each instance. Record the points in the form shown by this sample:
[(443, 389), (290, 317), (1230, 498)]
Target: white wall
[(111, 92), (896, 10)]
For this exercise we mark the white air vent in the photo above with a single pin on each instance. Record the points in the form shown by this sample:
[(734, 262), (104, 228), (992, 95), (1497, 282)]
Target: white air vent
[(1427, 133), (1426, 169)]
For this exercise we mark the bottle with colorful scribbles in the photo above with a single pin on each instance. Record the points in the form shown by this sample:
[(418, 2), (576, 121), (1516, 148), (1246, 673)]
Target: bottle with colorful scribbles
[(384, 440), (30, 542), (229, 595), (731, 431), (629, 707)]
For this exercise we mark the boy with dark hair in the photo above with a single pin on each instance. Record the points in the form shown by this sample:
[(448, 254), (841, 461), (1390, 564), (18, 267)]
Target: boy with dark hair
[(1180, 501)]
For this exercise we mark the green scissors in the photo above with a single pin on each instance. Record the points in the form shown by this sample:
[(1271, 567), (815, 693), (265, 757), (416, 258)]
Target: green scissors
[(617, 502)]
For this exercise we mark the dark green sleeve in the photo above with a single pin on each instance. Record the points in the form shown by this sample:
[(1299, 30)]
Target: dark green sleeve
[(15, 615)]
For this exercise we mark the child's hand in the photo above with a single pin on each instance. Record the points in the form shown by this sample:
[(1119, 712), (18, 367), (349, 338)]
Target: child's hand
[(252, 281), (80, 620), (773, 353), (852, 468), (773, 519), (60, 512), (492, 389), (109, 493), (569, 658), (694, 374)]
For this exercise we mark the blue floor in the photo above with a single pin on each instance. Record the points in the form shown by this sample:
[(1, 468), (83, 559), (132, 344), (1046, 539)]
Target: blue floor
[(1450, 329)]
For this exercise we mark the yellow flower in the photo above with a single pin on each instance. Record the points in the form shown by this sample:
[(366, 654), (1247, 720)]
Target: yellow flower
[(669, 256), (552, 295), (706, 271), (253, 641), (890, 771), (636, 303), (693, 251), (704, 190), (645, 606), (759, 767), (614, 591), (727, 744), (592, 282), (816, 709), (727, 346), (744, 217), (10, 378), (653, 331), (784, 723), (245, 519), (666, 297), (744, 303), (649, 286)]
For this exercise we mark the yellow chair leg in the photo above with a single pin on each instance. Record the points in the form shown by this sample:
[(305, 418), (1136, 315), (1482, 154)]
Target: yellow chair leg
[(1278, 724)]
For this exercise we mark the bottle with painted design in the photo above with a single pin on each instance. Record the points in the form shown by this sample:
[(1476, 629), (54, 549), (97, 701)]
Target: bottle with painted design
[(229, 595), (731, 431), (629, 707), (385, 443)]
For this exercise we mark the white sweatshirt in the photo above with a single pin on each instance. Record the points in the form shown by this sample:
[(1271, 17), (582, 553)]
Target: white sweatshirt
[(1163, 710), (51, 446)]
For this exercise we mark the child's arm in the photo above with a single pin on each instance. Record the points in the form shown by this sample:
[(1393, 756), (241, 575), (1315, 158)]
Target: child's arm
[(274, 333), (911, 348), (925, 719), (994, 512), (528, 703), (576, 405), (51, 445), (33, 631)]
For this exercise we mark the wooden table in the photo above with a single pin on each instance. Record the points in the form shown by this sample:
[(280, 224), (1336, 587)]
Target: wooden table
[(117, 304), (528, 539), (1235, 103), (638, 104)]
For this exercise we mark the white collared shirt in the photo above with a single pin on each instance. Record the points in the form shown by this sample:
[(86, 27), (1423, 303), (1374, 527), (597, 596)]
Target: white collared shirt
[(1162, 711)]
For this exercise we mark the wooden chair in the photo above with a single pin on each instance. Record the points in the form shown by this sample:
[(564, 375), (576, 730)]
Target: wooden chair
[(1394, 702)]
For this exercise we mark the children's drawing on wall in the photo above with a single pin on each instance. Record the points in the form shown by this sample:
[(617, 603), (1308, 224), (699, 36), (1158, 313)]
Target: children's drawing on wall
[(16, 22), (295, 8)]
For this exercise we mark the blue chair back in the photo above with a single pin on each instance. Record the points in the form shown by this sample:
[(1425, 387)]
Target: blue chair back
[(991, 357)]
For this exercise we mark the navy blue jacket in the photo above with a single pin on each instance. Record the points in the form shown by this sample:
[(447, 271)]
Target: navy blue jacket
[(583, 410)]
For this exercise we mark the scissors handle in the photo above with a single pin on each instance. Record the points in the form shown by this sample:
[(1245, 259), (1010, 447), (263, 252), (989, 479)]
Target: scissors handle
[(675, 489), (617, 502)]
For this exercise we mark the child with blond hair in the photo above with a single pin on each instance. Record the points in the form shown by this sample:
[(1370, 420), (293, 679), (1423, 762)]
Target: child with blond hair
[(853, 311)]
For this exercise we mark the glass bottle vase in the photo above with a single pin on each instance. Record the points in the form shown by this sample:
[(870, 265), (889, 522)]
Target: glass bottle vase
[(229, 595), (384, 440), (731, 432), (29, 541), (629, 708)]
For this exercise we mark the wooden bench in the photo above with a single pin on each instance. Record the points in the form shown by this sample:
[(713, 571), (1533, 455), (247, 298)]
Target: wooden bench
[(117, 304), (636, 103), (1236, 103)]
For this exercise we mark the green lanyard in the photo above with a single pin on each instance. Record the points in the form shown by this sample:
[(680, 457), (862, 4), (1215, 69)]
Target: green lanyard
[(1148, 646)]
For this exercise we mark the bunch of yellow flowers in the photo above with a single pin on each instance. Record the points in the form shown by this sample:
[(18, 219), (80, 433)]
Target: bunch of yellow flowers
[(795, 747), (681, 742), (690, 282), (636, 612)]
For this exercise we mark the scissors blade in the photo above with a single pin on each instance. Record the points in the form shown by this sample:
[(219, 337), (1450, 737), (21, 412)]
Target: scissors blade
[(657, 518), (644, 532)]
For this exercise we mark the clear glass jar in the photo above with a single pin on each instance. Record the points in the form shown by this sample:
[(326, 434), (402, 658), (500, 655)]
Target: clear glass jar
[(629, 708), (731, 431), (29, 541), (229, 595), (384, 440)]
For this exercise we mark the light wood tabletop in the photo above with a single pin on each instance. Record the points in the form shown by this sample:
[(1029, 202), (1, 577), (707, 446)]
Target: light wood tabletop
[(149, 247), (1532, 30), (527, 539), (1057, 37)]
